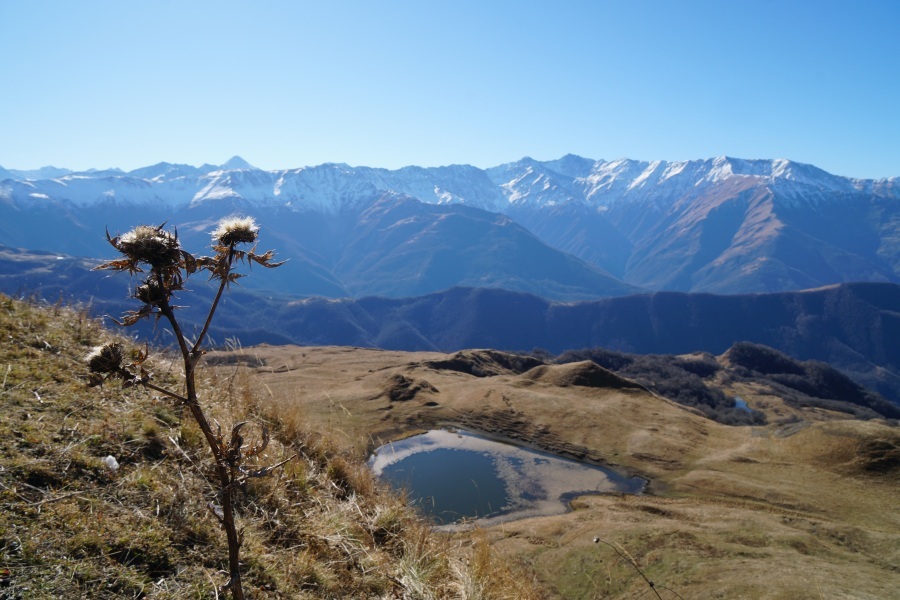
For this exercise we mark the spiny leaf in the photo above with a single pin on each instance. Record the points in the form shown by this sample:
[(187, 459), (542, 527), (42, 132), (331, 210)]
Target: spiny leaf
[(262, 445), (266, 470), (263, 259), (122, 264)]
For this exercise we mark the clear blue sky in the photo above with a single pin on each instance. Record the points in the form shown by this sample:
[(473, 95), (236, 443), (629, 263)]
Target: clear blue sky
[(383, 83)]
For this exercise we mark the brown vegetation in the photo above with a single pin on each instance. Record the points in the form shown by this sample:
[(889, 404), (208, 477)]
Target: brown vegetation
[(804, 506), (72, 526)]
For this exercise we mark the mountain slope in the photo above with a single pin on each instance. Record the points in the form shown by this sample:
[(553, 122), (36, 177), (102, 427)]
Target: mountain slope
[(853, 326), (393, 246), (722, 225), (401, 247)]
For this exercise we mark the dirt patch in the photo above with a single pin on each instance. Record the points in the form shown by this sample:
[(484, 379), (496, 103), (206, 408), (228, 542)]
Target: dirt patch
[(585, 373), (401, 388), (881, 456), (485, 363)]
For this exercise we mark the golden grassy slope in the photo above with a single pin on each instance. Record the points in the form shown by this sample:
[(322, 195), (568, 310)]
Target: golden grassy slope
[(806, 507), (70, 527)]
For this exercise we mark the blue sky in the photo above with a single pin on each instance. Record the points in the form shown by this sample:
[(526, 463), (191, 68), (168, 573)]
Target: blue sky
[(287, 84)]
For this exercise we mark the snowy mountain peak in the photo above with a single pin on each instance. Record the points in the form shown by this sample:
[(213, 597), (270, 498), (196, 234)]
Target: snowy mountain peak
[(779, 171), (571, 165), (165, 170), (236, 163), (48, 172)]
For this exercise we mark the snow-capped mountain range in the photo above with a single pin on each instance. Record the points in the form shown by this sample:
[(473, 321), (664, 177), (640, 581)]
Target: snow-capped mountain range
[(572, 228), (334, 187)]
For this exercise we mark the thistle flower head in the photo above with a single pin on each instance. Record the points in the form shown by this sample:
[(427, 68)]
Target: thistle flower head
[(235, 230), (150, 245), (150, 292), (105, 359)]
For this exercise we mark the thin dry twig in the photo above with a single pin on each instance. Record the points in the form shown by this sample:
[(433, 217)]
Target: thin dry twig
[(627, 558)]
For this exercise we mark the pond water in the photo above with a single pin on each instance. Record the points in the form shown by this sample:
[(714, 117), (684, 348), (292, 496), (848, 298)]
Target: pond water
[(456, 475)]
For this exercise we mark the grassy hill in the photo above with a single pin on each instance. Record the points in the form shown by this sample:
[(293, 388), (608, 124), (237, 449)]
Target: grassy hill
[(802, 505), (104, 492)]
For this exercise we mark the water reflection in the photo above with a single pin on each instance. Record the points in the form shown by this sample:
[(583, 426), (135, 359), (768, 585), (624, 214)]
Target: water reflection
[(458, 475)]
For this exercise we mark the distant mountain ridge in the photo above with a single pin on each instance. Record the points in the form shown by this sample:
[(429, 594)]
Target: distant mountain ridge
[(721, 225), (527, 181), (852, 326)]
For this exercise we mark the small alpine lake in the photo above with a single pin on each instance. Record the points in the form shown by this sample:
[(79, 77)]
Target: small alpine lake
[(456, 476)]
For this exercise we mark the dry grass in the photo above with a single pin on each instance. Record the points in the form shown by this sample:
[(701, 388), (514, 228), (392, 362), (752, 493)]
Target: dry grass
[(802, 508), (805, 507), (72, 527)]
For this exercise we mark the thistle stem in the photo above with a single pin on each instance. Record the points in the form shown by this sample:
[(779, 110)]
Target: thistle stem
[(166, 310), (222, 469), (215, 304)]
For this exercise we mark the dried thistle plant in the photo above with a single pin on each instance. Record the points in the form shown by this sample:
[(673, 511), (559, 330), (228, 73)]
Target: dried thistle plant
[(157, 253)]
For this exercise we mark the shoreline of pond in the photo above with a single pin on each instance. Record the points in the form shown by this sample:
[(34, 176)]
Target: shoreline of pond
[(561, 479), (587, 457)]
